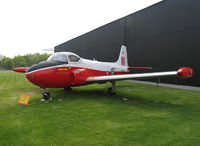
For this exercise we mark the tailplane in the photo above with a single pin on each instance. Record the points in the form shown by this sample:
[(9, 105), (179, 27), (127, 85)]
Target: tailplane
[(123, 59)]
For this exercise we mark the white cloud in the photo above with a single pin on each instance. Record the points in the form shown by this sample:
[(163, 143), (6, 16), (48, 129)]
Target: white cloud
[(28, 26)]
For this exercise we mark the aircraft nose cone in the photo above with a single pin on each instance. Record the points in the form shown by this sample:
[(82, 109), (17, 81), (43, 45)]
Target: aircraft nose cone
[(45, 74), (34, 74), (41, 74), (32, 77)]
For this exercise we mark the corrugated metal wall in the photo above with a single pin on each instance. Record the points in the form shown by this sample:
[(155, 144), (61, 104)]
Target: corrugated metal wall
[(101, 43), (164, 36)]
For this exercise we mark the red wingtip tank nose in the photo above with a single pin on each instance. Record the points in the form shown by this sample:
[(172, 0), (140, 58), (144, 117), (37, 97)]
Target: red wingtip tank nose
[(21, 69), (185, 72)]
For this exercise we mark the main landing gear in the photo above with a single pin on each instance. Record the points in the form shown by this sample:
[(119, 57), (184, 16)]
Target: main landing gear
[(111, 90), (68, 89), (46, 95)]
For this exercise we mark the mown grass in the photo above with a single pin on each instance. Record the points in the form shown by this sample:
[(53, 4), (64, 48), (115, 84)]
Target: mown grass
[(138, 115)]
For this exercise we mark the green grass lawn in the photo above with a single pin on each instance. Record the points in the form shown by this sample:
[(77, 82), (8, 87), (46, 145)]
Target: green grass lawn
[(87, 116)]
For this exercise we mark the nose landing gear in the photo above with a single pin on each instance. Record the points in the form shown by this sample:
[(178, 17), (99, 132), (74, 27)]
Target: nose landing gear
[(46, 95)]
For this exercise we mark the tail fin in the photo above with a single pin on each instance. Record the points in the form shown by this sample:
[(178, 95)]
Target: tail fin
[(123, 60)]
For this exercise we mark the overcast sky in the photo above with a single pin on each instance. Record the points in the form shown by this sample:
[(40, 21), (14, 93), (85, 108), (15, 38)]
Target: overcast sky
[(28, 26)]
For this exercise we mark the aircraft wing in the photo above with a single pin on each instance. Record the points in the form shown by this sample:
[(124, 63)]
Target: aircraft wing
[(182, 72)]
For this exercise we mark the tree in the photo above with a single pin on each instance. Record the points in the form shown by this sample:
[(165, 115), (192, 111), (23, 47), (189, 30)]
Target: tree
[(22, 61)]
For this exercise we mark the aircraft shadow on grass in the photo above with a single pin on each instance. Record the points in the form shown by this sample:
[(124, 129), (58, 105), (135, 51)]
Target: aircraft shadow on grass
[(129, 100)]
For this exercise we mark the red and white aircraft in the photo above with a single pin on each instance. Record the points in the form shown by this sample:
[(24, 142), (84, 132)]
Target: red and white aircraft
[(66, 70)]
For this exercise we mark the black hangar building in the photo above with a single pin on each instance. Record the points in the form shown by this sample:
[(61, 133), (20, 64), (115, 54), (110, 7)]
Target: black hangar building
[(165, 36)]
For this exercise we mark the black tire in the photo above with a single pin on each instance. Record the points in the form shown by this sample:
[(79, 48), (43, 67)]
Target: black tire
[(114, 94), (110, 92), (46, 95)]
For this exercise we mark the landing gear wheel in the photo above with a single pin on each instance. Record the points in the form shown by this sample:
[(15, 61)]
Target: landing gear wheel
[(111, 92), (46, 95)]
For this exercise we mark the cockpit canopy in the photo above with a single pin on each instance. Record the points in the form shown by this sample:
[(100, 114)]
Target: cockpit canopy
[(64, 57)]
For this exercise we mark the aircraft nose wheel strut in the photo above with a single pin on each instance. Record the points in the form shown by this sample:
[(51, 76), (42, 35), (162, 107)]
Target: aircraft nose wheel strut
[(46, 95), (111, 90)]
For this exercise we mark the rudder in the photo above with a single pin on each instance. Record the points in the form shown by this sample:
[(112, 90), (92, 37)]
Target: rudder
[(123, 59)]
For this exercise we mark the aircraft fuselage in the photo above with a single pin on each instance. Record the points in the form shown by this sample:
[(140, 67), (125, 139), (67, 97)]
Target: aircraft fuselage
[(55, 74)]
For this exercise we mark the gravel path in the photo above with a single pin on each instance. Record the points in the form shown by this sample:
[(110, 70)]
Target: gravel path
[(167, 85)]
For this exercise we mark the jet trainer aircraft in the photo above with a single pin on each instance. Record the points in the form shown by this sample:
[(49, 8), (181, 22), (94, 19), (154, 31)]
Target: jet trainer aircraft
[(66, 70)]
